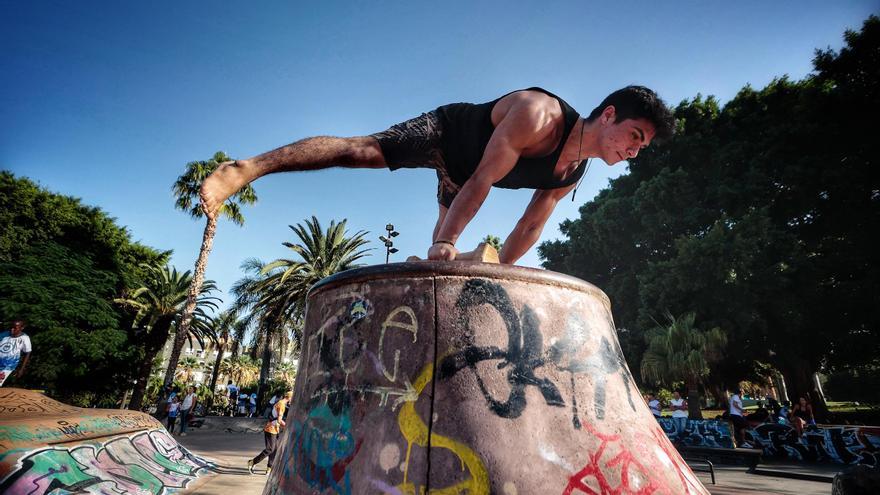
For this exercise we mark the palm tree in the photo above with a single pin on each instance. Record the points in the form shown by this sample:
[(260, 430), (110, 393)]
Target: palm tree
[(285, 372), (277, 291), (494, 241), (226, 326), (186, 190), (242, 370), (186, 368), (158, 304), (678, 351)]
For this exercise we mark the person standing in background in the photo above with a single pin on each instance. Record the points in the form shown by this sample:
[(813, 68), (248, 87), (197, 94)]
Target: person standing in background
[(14, 345)]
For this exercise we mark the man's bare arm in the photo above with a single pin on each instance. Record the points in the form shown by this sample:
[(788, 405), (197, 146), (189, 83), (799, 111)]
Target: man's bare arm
[(522, 126), (530, 226), (24, 362)]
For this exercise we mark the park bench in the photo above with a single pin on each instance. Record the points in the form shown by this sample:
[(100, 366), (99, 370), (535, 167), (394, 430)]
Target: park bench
[(708, 468), (741, 456)]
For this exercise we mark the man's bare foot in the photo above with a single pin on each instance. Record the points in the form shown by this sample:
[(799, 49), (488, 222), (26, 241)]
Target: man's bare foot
[(224, 182)]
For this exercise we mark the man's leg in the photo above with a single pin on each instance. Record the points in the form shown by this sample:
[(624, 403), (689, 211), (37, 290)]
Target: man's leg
[(314, 153), (271, 444)]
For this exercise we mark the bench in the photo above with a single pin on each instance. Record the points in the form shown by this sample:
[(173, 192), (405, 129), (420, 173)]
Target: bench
[(709, 468), (747, 457)]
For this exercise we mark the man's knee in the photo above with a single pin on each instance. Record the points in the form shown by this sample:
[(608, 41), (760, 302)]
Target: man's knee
[(364, 152)]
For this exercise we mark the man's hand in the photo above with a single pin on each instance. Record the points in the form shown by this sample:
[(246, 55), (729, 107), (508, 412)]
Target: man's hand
[(441, 251)]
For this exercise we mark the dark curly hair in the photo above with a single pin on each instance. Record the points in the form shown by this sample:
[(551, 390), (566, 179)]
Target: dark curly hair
[(639, 102)]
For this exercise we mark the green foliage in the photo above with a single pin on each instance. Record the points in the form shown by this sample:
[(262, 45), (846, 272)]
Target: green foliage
[(494, 241), (61, 265), (677, 351), (186, 190), (758, 216)]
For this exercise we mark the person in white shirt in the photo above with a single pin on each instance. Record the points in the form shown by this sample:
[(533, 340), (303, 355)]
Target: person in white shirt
[(14, 344), (654, 405), (737, 417), (679, 408), (186, 406)]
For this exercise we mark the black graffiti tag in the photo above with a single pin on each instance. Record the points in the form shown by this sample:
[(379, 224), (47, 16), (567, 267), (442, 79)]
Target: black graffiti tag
[(525, 353)]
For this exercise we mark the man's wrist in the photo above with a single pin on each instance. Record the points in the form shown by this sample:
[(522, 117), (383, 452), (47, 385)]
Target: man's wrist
[(444, 241)]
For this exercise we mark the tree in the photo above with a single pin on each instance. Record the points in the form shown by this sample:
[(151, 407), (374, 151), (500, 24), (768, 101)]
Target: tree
[(61, 265), (678, 351), (758, 216), (226, 326), (277, 291), (186, 368), (494, 241), (186, 190), (285, 372), (158, 304)]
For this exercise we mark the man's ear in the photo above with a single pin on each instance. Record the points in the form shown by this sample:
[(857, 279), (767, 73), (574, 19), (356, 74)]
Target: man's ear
[(609, 114)]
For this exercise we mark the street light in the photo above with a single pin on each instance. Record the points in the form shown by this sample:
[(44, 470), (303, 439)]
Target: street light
[(389, 250)]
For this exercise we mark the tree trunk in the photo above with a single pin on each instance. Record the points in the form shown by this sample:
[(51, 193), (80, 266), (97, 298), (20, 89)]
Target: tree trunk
[(191, 299), (264, 368), (693, 398), (214, 373), (153, 344), (799, 379)]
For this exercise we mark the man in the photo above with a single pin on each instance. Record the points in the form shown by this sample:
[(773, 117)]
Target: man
[(525, 139), (253, 405), (270, 433), (679, 408), (232, 396), (654, 406), (14, 345), (737, 417), (186, 407)]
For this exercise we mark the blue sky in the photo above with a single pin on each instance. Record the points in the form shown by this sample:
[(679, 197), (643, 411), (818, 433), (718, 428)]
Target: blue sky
[(107, 101)]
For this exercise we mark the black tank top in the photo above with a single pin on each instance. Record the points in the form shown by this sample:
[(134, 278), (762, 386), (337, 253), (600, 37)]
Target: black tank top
[(467, 128)]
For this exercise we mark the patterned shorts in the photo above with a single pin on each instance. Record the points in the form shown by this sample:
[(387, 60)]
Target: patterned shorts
[(416, 144)]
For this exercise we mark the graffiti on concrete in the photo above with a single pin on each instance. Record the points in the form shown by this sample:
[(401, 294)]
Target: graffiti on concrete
[(17, 401), (525, 353), (146, 462), (615, 469), (711, 433), (322, 447), (416, 432), (843, 444), (345, 349), (85, 426)]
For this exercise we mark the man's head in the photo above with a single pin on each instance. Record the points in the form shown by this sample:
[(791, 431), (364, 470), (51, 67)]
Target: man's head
[(288, 395), (17, 327), (229, 382), (676, 394), (628, 120)]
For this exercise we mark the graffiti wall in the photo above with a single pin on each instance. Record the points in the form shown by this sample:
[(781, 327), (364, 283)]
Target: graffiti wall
[(149, 462), (701, 433), (843, 444), (50, 447), (457, 383)]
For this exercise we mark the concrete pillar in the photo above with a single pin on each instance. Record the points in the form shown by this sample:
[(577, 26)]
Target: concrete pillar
[(467, 378)]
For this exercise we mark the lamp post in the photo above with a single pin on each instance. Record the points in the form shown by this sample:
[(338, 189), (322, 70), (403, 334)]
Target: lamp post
[(389, 249)]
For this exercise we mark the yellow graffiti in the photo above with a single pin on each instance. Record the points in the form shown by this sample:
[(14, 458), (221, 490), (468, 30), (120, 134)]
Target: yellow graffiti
[(415, 431), (410, 326)]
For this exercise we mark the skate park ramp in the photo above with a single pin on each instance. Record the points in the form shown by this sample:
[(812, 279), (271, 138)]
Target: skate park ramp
[(49, 447)]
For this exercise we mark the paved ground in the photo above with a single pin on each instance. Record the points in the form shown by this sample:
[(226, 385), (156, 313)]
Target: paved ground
[(230, 452)]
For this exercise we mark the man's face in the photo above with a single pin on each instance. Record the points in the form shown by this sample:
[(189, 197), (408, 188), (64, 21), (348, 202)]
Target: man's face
[(17, 328), (619, 141)]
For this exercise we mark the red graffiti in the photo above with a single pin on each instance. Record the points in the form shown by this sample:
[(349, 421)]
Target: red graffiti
[(624, 463)]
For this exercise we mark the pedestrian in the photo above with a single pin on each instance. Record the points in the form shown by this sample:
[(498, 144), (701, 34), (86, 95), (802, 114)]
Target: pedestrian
[(242, 403), (654, 405), (173, 410), (528, 138), (737, 417), (272, 402), (679, 408), (253, 405), (801, 415), (232, 396), (270, 433), (15, 350), (186, 406)]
